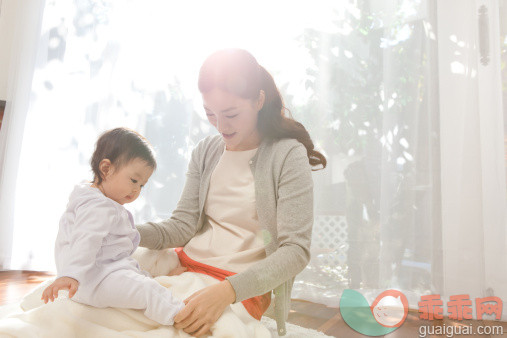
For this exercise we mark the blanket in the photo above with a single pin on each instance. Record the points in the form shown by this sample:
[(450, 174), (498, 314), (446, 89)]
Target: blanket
[(66, 318)]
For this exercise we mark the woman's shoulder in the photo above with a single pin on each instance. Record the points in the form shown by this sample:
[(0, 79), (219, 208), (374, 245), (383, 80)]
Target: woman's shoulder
[(281, 148), (208, 148), (209, 142), (286, 143), (283, 154)]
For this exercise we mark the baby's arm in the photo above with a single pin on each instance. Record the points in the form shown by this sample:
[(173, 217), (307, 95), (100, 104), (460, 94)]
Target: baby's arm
[(62, 283), (93, 221), (93, 218)]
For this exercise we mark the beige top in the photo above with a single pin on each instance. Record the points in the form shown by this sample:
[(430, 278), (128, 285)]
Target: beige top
[(230, 238)]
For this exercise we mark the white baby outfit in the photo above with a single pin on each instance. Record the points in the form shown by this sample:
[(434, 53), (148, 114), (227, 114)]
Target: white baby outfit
[(95, 241)]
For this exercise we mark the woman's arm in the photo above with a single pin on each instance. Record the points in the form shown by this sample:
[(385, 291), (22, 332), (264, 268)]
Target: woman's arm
[(294, 224), (182, 225)]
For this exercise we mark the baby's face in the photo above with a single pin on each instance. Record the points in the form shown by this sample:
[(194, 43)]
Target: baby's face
[(124, 184)]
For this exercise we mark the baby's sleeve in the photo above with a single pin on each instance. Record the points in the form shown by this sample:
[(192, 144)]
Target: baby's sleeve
[(93, 221)]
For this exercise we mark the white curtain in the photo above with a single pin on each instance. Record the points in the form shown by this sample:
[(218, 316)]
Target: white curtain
[(474, 249), (24, 54), (392, 91)]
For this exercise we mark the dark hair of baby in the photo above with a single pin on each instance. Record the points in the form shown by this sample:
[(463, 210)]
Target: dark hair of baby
[(120, 146)]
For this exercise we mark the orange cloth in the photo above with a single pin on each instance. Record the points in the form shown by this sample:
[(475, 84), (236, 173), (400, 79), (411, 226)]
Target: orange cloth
[(256, 306)]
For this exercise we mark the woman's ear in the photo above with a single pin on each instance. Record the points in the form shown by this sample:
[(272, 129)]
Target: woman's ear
[(105, 168), (260, 100)]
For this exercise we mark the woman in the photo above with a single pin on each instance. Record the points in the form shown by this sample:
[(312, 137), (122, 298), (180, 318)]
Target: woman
[(246, 212)]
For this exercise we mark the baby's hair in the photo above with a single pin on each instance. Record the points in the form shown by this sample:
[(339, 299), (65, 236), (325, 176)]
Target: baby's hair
[(120, 146)]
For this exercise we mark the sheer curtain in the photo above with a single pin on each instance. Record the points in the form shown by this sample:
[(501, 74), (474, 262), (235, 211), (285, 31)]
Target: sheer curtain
[(378, 209), (24, 54), (392, 91), (472, 167)]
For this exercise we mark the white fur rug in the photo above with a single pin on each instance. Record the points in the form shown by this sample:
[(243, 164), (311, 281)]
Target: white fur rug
[(66, 318), (293, 331)]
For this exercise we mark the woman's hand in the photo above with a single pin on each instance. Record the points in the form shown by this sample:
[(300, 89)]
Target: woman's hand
[(62, 283), (204, 307)]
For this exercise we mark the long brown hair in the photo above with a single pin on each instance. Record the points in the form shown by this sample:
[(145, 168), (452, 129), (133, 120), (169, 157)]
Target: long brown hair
[(237, 71)]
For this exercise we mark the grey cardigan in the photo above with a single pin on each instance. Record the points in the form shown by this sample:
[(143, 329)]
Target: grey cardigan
[(284, 202)]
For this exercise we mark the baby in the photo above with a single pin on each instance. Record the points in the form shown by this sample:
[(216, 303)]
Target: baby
[(97, 236)]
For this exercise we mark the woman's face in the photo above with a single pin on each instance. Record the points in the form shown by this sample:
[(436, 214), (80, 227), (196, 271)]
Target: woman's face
[(234, 117)]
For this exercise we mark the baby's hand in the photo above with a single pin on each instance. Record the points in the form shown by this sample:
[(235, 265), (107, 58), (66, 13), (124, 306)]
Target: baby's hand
[(177, 271), (62, 283)]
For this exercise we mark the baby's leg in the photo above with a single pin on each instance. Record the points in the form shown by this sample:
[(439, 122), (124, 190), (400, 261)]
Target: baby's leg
[(129, 289)]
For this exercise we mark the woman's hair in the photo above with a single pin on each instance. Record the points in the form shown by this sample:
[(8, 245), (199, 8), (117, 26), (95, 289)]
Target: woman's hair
[(120, 146), (237, 71)]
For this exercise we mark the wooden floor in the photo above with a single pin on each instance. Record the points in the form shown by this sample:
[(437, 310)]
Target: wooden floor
[(15, 284)]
